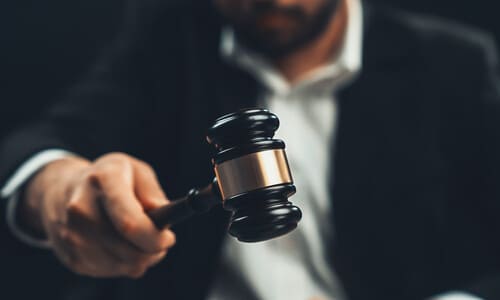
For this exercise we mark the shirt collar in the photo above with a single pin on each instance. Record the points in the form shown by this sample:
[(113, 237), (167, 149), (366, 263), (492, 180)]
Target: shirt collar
[(341, 69)]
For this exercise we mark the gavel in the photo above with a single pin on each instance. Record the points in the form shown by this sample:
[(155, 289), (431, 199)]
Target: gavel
[(252, 180)]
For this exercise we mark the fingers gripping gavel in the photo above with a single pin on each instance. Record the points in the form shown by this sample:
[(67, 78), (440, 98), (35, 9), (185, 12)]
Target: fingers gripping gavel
[(253, 180), (110, 217)]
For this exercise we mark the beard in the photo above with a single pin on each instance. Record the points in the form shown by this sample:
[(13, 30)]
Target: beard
[(276, 42)]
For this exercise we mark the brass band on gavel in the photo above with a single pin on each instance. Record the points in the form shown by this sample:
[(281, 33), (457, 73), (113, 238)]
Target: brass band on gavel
[(252, 171)]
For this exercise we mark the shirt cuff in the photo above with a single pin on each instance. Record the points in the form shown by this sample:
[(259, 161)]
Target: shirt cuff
[(455, 296), (14, 185)]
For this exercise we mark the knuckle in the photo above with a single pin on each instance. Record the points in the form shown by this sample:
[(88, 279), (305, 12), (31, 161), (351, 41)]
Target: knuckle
[(95, 176), (109, 164), (118, 157), (74, 207), (145, 167), (127, 226), (98, 176), (78, 211), (118, 154)]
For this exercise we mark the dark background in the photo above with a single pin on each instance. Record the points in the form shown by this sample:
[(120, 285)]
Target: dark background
[(46, 45)]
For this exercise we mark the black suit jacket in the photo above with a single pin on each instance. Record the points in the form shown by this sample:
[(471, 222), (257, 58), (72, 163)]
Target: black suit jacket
[(417, 156)]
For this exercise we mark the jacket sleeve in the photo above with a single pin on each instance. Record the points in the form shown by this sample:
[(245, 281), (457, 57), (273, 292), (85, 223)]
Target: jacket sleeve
[(102, 113), (490, 117), (105, 112), (489, 144)]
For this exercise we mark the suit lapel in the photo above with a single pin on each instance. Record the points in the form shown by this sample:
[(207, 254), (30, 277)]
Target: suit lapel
[(235, 88), (367, 132)]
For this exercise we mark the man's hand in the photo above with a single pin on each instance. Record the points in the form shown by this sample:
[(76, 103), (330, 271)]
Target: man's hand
[(93, 214)]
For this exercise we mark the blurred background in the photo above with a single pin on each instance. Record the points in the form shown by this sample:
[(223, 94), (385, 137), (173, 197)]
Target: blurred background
[(46, 45)]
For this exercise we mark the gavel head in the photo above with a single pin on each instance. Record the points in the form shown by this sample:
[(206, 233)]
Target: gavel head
[(253, 175)]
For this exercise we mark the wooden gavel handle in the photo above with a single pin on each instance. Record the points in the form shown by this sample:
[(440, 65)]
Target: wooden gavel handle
[(197, 201)]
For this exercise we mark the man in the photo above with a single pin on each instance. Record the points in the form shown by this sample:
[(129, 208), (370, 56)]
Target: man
[(392, 128)]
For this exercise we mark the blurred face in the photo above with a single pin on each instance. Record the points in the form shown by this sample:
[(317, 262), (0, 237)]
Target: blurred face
[(277, 27)]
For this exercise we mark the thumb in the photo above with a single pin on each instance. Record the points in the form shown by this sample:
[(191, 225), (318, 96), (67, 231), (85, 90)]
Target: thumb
[(146, 186)]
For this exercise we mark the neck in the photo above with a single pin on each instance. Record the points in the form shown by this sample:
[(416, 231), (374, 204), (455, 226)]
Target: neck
[(319, 51)]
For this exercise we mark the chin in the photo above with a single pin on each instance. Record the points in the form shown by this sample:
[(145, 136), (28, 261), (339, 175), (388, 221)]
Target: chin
[(270, 42)]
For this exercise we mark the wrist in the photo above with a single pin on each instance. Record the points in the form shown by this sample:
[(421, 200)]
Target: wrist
[(51, 182)]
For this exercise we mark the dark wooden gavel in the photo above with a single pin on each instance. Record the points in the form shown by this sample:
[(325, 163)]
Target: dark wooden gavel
[(253, 180)]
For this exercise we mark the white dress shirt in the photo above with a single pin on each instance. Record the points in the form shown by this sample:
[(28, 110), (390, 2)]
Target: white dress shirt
[(294, 266), (16, 182)]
